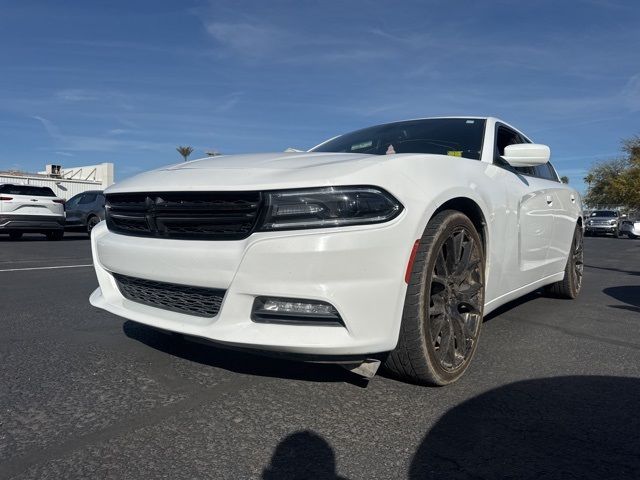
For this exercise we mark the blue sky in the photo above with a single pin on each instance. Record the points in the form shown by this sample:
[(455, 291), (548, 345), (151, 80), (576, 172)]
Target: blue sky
[(127, 81)]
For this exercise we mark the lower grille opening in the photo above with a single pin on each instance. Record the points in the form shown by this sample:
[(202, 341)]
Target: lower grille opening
[(295, 311), (197, 301)]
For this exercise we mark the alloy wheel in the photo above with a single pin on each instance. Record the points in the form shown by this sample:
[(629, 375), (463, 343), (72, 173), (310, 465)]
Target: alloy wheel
[(577, 259), (456, 300)]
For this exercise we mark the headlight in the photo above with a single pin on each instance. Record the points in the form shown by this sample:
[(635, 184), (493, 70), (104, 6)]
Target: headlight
[(613, 222), (328, 207), (590, 222)]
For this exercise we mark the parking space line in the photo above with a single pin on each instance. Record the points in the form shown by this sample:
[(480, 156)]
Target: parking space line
[(44, 268)]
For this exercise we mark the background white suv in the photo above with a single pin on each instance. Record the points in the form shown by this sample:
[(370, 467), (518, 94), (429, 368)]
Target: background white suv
[(27, 208)]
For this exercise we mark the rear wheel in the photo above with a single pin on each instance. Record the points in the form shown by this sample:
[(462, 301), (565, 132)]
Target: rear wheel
[(443, 307), (570, 285), (92, 222), (15, 235), (55, 235)]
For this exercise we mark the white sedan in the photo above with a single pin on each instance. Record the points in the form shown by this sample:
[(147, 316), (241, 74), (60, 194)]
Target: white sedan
[(385, 244)]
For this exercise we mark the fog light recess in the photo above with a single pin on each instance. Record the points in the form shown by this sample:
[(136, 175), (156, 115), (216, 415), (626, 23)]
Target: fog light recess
[(294, 311)]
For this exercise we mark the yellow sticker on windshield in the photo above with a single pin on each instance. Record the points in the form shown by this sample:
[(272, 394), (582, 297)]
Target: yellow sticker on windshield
[(454, 153)]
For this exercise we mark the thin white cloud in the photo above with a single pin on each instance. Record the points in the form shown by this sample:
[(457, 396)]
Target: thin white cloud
[(88, 143), (244, 38), (631, 93), (76, 95)]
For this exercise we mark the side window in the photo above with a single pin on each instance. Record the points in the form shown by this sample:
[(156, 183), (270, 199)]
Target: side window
[(73, 201), (504, 138), (547, 172), (88, 198)]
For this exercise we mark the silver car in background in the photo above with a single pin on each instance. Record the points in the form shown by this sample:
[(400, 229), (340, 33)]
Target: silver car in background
[(630, 228), (603, 222)]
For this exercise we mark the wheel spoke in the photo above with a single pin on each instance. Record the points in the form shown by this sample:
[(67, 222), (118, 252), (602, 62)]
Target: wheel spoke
[(465, 263), (441, 264), (461, 333), (437, 324), (446, 350), (469, 297), (450, 257), (437, 305)]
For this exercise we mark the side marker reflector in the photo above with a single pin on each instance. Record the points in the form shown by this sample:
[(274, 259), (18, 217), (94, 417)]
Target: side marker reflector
[(412, 258)]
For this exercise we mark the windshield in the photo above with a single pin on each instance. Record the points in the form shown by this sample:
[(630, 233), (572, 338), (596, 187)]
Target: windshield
[(604, 213), (458, 137)]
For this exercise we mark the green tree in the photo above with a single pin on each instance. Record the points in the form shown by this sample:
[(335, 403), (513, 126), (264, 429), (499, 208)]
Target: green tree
[(616, 181), (564, 179), (185, 151)]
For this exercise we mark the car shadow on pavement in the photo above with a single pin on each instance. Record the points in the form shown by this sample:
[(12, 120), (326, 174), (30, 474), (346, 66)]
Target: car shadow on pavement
[(513, 304), (234, 360), (629, 294), (565, 427), (577, 427), (613, 270)]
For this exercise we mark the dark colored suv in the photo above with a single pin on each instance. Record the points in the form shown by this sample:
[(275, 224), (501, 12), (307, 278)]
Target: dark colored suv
[(85, 211)]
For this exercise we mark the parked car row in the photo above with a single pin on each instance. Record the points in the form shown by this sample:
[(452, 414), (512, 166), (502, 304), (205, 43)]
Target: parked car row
[(33, 209), (610, 222)]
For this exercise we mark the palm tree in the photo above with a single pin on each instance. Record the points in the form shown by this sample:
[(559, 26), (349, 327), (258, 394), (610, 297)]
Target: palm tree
[(564, 179), (185, 151)]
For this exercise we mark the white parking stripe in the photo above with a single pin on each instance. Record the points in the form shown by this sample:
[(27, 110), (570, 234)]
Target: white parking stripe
[(44, 268)]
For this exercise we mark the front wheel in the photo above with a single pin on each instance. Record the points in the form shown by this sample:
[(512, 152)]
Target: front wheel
[(92, 222), (570, 285), (444, 304)]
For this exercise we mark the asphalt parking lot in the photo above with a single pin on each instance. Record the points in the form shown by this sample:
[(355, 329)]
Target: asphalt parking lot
[(554, 391)]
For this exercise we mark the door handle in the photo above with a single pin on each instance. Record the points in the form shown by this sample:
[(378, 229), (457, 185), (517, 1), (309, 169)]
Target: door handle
[(549, 200)]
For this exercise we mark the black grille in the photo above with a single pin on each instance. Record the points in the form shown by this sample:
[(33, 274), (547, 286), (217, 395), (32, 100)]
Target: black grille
[(186, 215), (198, 301)]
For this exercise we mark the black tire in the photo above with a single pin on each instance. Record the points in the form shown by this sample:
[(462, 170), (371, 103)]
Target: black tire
[(15, 235), (631, 235), (569, 287), (429, 350), (92, 221), (55, 235)]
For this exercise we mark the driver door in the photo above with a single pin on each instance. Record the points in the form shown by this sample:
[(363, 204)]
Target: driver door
[(531, 201)]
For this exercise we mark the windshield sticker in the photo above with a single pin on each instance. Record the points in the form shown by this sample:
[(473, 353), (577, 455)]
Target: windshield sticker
[(390, 150), (454, 153), (470, 121), (358, 146)]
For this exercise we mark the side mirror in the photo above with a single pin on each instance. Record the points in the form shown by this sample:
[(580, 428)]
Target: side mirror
[(526, 154)]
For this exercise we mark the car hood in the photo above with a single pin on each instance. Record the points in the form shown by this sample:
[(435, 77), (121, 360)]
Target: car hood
[(257, 172)]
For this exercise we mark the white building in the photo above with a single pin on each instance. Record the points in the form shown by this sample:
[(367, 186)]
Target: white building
[(65, 182)]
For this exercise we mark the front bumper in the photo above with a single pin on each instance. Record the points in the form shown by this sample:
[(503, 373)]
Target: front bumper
[(601, 228), (358, 270), (34, 223)]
